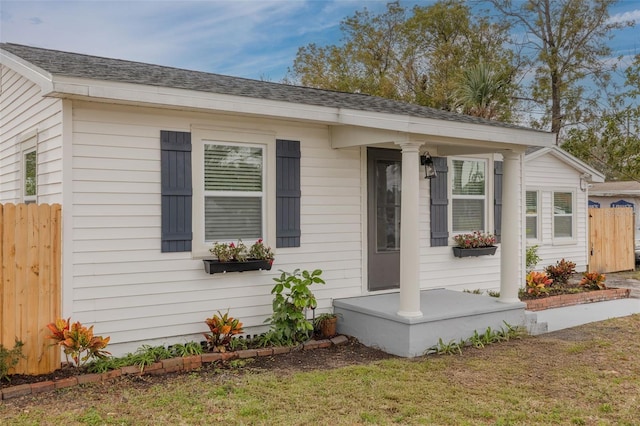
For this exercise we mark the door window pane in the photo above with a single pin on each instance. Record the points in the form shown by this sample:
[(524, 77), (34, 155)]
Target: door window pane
[(388, 191)]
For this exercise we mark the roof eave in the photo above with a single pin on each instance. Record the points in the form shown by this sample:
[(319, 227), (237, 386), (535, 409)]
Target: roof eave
[(39, 76), (343, 117)]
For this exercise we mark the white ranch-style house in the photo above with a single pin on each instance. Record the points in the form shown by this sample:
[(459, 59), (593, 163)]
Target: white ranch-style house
[(138, 156)]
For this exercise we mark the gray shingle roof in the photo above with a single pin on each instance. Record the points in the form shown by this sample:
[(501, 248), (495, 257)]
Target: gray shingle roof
[(98, 68)]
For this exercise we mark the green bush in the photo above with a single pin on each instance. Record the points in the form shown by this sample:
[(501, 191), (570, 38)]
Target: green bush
[(9, 358), (293, 296)]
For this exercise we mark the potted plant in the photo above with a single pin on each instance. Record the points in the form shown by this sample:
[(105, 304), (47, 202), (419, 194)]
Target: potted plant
[(325, 325), (474, 244), (231, 257)]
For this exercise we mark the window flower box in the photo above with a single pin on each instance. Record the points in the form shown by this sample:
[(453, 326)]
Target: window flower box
[(234, 257), (477, 251), (212, 266), (474, 244)]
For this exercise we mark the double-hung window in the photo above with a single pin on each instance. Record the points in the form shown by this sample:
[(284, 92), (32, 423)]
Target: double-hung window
[(532, 215), (563, 220), (234, 191), (468, 195)]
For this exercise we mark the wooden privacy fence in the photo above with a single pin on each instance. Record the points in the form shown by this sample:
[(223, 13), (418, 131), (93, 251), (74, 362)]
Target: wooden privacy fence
[(611, 239), (30, 254)]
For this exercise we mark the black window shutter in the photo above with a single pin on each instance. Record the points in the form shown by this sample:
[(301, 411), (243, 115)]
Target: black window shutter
[(439, 204), (175, 166), (497, 198), (287, 193)]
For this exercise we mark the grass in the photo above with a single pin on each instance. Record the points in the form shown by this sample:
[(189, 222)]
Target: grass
[(584, 376)]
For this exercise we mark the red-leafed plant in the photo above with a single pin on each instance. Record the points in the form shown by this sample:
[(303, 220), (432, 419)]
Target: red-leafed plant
[(538, 283), (223, 328), (593, 281), (561, 271), (78, 341)]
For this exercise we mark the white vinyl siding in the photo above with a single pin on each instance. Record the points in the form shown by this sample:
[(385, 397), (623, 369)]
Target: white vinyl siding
[(548, 175), (131, 291), (27, 115)]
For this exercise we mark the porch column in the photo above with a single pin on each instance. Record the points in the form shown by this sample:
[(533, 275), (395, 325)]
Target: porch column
[(510, 251), (409, 238)]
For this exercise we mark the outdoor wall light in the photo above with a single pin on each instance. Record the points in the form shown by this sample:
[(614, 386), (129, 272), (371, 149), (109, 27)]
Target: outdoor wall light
[(429, 169)]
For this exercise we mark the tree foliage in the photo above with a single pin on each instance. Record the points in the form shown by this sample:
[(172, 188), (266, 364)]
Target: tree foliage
[(565, 41), (419, 56), (611, 142)]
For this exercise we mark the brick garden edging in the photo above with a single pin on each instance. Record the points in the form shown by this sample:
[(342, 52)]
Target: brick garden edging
[(576, 299), (171, 365)]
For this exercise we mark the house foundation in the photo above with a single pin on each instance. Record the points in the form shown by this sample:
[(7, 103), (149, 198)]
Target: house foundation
[(447, 315)]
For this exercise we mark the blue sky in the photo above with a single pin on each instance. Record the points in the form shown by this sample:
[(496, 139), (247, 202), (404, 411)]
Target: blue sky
[(246, 38)]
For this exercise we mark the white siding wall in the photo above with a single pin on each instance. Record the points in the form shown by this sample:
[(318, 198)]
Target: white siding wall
[(24, 112), (439, 268), (547, 174), (131, 291)]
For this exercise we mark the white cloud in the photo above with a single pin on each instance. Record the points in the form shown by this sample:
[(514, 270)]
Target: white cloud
[(630, 15)]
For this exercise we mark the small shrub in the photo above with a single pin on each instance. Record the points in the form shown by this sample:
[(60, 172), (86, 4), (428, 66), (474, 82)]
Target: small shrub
[(147, 355), (538, 283), (9, 358), (561, 271), (531, 257), (186, 349), (293, 296), (474, 291), (238, 343), (106, 364), (78, 341), (593, 281), (223, 328), (493, 293), (450, 348)]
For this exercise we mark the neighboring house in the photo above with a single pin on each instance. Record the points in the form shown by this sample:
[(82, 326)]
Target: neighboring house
[(118, 144), (557, 193)]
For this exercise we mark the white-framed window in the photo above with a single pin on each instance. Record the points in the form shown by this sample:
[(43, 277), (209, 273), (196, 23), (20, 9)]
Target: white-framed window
[(29, 173), (233, 192), (468, 195), (563, 215), (532, 214), (234, 187)]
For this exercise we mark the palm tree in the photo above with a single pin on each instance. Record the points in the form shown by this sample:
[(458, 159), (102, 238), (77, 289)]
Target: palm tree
[(482, 93)]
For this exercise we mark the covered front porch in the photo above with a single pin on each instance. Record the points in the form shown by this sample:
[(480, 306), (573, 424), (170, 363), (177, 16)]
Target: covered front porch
[(446, 314), (412, 319)]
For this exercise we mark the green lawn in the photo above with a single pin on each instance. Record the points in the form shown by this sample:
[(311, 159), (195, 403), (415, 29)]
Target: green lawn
[(589, 375)]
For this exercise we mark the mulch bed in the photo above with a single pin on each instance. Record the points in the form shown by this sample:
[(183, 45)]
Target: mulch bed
[(348, 352)]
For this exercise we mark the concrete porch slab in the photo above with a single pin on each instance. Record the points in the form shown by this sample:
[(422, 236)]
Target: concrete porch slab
[(447, 315)]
